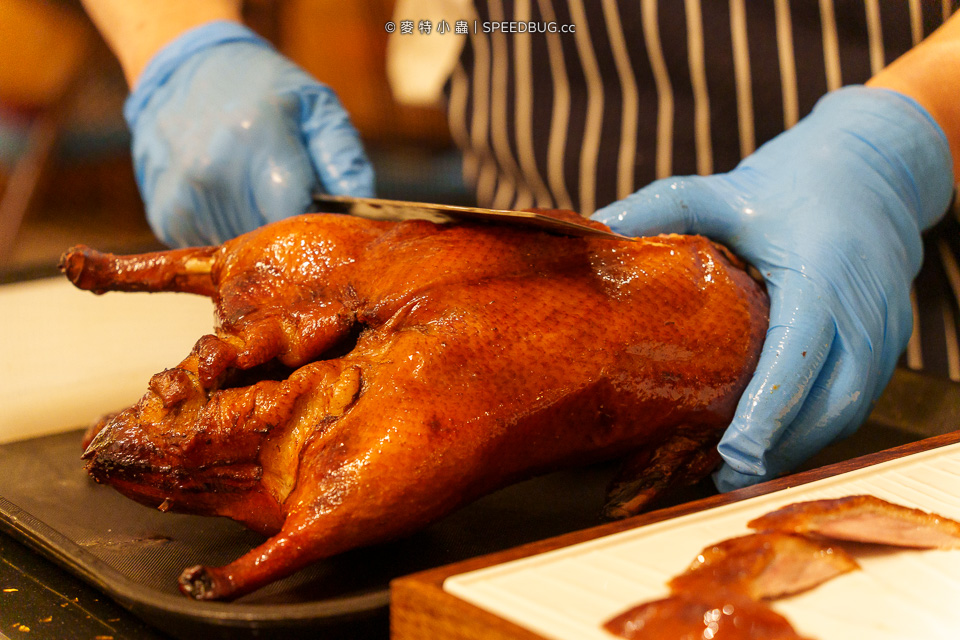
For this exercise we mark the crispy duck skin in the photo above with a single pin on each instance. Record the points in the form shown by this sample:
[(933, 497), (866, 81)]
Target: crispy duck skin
[(366, 378), (697, 615), (721, 595), (864, 518), (764, 566)]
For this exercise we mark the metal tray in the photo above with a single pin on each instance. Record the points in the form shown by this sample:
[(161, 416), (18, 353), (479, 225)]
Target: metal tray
[(134, 554)]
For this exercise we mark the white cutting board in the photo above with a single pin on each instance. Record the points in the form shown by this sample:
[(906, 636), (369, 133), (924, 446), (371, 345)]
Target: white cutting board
[(68, 356), (569, 593)]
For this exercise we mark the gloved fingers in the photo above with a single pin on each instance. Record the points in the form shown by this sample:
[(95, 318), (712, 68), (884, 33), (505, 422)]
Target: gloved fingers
[(874, 381), (334, 145), (896, 333), (278, 182), (860, 416), (238, 136), (833, 409), (798, 342), (671, 205), (726, 478), (279, 188), (176, 226), (202, 200), (172, 208)]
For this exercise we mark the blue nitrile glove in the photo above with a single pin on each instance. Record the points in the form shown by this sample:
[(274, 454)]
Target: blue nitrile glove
[(830, 212), (229, 135)]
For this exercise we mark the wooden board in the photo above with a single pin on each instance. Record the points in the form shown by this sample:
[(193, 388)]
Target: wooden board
[(421, 609)]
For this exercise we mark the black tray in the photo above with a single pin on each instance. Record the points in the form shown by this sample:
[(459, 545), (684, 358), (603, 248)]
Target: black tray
[(134, 554)]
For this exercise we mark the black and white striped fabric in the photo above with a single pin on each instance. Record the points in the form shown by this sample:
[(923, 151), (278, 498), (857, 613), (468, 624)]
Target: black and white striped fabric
[(646, 89)]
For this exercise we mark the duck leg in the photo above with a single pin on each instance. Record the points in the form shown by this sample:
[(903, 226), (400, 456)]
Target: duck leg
[(281, 555), (185, 270), (680, 460)]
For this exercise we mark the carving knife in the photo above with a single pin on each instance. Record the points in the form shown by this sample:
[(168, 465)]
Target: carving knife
[(379, 209)]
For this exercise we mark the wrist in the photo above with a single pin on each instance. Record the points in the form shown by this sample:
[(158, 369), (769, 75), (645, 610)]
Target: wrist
[(927, 73), (168, 59), (898, 138), (137, 29)]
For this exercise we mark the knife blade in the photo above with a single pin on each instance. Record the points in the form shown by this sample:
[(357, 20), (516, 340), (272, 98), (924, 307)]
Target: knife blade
[(380, 209)]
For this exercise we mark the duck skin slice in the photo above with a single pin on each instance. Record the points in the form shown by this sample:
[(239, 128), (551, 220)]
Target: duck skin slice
[(764, 566), (864, 518), (698, 616), (368, 377), (721, 594)]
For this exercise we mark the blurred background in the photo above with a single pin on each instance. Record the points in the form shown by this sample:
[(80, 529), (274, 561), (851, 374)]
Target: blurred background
[(65, 169)]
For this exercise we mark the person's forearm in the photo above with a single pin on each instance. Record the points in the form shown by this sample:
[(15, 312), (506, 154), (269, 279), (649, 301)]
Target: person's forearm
[(137, 29), (930, 74)]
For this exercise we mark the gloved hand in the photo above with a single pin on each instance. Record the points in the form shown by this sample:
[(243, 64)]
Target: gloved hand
[(229, 135), (830, 212)]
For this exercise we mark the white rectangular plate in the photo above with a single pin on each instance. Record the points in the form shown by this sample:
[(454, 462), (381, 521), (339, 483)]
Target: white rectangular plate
[(567, 594)]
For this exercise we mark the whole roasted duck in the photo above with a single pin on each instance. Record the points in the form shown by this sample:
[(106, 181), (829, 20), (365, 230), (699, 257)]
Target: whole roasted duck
[(368, 377)]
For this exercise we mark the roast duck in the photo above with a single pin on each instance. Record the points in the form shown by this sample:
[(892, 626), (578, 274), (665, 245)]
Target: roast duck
[(368, 377)]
